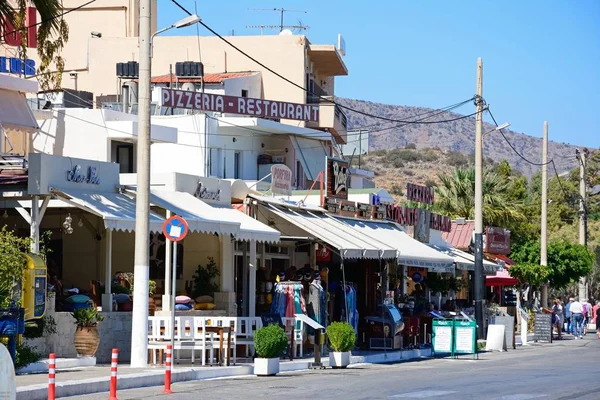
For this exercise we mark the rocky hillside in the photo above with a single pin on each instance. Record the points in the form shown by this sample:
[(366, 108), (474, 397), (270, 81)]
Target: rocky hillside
[(457, 136)]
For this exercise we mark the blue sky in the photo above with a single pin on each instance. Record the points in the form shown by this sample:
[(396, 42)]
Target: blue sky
[(541, 57)]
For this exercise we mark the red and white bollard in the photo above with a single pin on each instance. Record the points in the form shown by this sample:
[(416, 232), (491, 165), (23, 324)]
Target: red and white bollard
[(168, 370), (113, 374), (52, 377)]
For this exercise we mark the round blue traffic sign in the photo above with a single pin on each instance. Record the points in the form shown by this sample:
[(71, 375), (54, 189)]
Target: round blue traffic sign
[(175, 228)]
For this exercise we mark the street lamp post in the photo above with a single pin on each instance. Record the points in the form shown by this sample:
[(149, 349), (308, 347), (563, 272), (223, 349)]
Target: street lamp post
[(139, 320)]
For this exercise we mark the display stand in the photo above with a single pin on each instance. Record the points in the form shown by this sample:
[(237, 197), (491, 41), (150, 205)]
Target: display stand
[(319, 339), (465, 338), (524, 320), (441, 337)]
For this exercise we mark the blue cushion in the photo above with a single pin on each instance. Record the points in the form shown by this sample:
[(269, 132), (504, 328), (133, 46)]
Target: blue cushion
[(183, 307), (121, 298)]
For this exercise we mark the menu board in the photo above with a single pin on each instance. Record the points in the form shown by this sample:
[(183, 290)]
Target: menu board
[(442, 339), (542, 330), (464, 340)]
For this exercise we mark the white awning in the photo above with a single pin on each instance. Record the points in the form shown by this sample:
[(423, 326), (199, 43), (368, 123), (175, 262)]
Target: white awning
[(15, 113), (116, 209), (193, 211), (412, 252), (250, 228), (311, 154), (349, 242)]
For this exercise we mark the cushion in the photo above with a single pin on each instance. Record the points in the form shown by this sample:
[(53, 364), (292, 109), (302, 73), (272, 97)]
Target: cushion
[(204, 299), (182, 300), (78, 299), (205, 306), (121, 298), (183, 307)]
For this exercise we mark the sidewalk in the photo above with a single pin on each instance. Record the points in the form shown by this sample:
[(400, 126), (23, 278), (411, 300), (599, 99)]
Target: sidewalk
[(87, 380)]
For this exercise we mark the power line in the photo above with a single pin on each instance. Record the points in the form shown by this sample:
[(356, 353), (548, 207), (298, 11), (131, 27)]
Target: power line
[(325, 99)]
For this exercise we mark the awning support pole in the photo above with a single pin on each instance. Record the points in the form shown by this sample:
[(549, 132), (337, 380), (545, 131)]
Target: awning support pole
[(252, 280), (35, 220), (166, 298), (107, 302)]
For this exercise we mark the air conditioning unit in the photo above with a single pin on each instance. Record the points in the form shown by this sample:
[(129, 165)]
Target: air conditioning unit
[(278, 160)]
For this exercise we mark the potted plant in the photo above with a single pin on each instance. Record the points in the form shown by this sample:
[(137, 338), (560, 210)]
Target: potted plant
[(129, 277), (342, 338), (270, 341), (87, 337)]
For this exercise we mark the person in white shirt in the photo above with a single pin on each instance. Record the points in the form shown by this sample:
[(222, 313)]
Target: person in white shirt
[(577, 318)]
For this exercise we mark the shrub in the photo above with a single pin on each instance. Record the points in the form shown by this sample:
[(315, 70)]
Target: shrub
[(270, 341), (411, 146), (25, 355), (204, 276), (457, 159), (397, 163), (341, 336), (381, 153)]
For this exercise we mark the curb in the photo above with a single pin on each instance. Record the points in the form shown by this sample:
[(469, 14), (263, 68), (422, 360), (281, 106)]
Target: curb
[(157, 378)]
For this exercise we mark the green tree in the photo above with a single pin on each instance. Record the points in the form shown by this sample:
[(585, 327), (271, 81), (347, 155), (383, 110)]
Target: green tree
[(52, 34), (455, 196), (12, 263), (567, 262)]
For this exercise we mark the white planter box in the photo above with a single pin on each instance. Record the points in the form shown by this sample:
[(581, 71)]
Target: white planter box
[(339, 360), (266, 366)]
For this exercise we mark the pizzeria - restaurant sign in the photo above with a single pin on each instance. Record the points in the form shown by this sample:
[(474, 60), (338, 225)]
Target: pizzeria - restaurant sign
[(410, 216)]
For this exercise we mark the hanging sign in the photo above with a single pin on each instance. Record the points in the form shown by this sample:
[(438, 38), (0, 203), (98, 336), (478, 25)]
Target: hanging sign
[(239, 105), (281, 179), (323, 254), (337, 175), (497, 240)]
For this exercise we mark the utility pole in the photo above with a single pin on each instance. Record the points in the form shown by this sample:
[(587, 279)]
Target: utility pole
[(139, 328), (479, 283), (582, 214), (544, 227)]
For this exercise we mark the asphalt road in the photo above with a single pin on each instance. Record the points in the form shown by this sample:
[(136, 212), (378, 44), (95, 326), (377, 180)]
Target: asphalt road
[(564, 370)]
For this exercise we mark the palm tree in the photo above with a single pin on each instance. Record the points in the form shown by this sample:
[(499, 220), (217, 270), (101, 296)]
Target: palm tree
[(49, 11), (456, 197)]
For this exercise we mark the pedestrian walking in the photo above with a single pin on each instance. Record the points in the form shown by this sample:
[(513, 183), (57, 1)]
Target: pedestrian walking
[(568, 316), (577, 318), (557, 317), (598, 319), (586, 316)]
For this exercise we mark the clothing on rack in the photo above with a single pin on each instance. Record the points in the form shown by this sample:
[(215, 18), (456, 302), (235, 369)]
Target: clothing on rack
[(345, 307), (288, 299)]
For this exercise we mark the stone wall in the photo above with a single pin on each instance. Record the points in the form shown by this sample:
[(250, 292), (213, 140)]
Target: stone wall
[(115, 332)]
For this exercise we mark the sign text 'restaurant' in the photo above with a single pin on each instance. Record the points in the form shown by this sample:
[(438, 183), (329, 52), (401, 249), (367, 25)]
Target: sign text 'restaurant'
[(239, 105)]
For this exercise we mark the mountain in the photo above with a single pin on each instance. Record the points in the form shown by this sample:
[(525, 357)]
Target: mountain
[(457, 136)]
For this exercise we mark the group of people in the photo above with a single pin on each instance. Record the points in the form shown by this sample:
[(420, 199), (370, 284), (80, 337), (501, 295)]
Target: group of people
[(574, 317)]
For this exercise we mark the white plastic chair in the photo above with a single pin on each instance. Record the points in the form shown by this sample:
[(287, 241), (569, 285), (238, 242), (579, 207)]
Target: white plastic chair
[(190, 335)]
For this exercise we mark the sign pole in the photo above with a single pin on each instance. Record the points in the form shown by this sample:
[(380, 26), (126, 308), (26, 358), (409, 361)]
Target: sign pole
[(173, 294)]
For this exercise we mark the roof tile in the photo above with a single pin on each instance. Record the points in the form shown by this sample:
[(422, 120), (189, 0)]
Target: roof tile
[(208, 78)]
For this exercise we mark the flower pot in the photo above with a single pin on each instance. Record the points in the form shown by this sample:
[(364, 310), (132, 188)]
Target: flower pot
[(339, 359), (266, 366), (86, 341)]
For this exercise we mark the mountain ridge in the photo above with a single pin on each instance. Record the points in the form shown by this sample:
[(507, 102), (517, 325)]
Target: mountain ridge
[(457, 135)]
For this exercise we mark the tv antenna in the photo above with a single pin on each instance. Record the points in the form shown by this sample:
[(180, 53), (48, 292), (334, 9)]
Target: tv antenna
[(263, 27), (282, 11)]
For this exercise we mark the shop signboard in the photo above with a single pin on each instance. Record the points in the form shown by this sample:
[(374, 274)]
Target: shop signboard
[(260, 108), (441, 337), (419, 193), (332, 205), (409, 216), (337, 175), (422, 225), (542, 328), (13, 38), (323, 254), (14, 65), (465, 337), (281, 179), (497, 240)]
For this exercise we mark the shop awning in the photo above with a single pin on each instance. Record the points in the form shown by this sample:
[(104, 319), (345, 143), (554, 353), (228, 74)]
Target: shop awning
[(464, 260), (250, 228), (116, 209), (193, 211), (349, 242), (412, 252), (501, 278), (15, 114)]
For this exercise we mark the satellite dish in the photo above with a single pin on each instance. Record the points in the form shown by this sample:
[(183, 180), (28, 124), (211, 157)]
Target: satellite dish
[(286, 32)]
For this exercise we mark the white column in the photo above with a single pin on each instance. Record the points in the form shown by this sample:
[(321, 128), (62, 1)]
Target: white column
[(166, 298), (107, 295), (35, 230), (227, 264), (252, 280)]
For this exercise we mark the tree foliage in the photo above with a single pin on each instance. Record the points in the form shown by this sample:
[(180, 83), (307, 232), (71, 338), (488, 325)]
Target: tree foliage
[(52, 34), (567, 262), (456, 197), (12, 263)]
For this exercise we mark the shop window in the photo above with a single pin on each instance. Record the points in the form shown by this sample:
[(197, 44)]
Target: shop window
[(244, 93), (214, 163)]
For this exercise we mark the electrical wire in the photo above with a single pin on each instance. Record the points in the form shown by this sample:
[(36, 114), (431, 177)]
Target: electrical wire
[(325, 99)]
